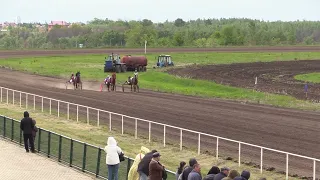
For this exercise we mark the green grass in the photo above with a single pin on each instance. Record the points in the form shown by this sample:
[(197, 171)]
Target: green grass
[(310, 77), (91, 67), (131, 146)]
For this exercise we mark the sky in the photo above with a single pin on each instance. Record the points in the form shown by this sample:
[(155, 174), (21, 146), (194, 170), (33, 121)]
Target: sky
[(157, 11)]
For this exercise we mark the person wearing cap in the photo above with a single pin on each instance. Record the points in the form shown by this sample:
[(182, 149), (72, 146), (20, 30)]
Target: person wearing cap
[(27, 126), (143, 167), (155, 168), (133, 174), (195, 174), (187, 170), (223, 173)]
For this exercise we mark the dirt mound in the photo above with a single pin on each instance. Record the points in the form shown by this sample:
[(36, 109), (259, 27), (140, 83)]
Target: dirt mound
[(274, 77)]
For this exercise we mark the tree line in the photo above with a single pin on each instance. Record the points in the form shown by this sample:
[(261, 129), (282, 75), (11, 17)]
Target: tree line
[(99, 33)]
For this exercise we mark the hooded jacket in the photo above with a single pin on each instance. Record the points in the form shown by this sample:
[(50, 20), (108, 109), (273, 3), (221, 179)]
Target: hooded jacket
[(26, 124), (245, 175), (113, 151), (133, 174)]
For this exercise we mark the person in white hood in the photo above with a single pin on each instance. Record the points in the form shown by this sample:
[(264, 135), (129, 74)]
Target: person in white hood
[(112, 158)]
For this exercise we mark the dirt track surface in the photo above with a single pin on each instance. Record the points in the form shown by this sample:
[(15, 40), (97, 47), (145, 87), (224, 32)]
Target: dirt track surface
[(24, 53), (274, 77), (282, 129)]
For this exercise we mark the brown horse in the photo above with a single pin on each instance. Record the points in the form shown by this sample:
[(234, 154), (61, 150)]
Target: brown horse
[(132, 82), (111, 82), (77, 81)]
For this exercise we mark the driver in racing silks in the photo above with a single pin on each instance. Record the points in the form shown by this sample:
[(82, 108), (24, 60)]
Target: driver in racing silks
[(107, 79), (131, 78), (71, 78)]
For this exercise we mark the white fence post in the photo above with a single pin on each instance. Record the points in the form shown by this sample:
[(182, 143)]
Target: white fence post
[(287, 166), (50, 106), (1, 94), (180, 139), (314, 169), (149, 131), (261, 161), (217, 149), (13, 97), (7, 96), (20, 98), (199, 141), (68, 111), (239, 154), (42, 104), (26, 101), (88, 115), (98, 118), (77, 113), (136, 129), (34, 102), (58, 108), (110, 126), (122, 124), (164, 135)]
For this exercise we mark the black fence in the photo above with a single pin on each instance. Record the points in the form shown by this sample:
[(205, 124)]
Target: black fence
[(74, 153)]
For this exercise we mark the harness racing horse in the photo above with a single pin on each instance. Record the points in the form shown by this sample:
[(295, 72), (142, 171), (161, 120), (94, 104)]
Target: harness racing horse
[(111, 81), (132, 82), (77, 81)]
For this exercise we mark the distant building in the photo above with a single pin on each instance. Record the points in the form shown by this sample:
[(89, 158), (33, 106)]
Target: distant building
[(59, 23), (5, 25)]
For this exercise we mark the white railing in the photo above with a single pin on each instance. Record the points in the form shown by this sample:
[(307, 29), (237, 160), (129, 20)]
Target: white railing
[(136, 120)]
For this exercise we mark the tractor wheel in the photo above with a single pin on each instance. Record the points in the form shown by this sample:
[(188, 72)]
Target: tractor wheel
[(124, 68), (144, 69), (118, 69), (139, 68)]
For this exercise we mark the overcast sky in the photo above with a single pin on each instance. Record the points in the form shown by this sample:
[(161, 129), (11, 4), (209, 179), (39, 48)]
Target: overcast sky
[(157, 10)]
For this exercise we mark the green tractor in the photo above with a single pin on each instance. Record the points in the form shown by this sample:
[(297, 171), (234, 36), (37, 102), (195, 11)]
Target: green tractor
[(113, 64)]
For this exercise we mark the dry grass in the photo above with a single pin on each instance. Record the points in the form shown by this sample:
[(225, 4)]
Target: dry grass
[(171, 156)]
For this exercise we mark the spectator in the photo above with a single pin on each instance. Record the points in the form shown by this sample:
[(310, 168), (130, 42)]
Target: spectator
[(187, 170), (112, 158), (212, 173), (195, 173), (180, 169), (155, 168), (27, 126), (224, 173), (35, 130), (245, 175), (143, 167), (232, 175), (133, 174)]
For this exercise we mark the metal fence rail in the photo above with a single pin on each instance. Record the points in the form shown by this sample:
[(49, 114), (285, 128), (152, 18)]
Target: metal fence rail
[(80, 155), (146, 128)]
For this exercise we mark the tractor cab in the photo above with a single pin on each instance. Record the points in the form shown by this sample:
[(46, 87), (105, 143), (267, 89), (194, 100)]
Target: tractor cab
[(113, 64), (114, 58), (164, 61)]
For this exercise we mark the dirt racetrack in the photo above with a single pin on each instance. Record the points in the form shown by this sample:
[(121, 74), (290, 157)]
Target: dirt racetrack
[(274, 77), (283, 129), (24, 53)]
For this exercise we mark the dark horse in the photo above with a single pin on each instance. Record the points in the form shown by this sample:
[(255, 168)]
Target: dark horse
[(112, 82), (77, 81), (132, 82)]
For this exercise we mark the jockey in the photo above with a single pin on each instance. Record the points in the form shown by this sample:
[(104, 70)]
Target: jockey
[(130, 80), (71, 78), (135, 73)]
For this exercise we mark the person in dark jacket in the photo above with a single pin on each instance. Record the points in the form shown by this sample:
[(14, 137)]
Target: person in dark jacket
[(195, 174), (187, 170), (212, 173), (224, 173), (245, 175), (27, 126), (143, 167)]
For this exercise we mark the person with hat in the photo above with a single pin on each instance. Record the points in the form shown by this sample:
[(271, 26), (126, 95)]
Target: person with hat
[(27, 126), (155, 168), (143, 167), (223, 173)]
